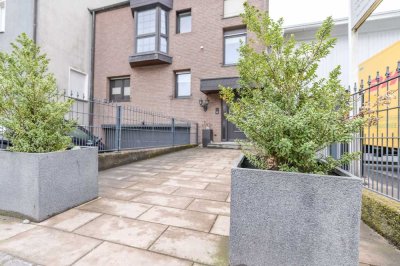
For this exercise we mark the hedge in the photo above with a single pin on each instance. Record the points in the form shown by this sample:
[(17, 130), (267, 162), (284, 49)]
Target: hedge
[(382, 214)]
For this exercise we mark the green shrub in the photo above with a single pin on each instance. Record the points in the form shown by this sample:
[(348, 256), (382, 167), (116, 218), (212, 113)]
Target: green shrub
[(287, 113), (382, 214), (29, 106)]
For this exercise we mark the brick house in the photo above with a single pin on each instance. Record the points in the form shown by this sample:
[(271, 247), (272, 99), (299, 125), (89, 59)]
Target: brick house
[(170, 56)]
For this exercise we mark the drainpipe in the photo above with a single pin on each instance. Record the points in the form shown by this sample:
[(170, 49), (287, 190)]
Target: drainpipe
[(91, 91), (35, 15)]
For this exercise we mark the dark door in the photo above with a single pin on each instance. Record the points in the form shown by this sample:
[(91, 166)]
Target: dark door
[(229, 131)]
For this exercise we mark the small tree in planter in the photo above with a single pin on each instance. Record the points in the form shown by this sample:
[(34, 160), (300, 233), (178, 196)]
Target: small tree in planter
[(288, 114), (39, 178), (29, 106)]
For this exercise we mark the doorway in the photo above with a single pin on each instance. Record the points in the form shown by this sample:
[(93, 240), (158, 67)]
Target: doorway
[(230, 132)]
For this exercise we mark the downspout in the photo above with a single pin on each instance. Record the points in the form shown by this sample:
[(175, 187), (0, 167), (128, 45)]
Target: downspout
[(91, 91), (35, 16)]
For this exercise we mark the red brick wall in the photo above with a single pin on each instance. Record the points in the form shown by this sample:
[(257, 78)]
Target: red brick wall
[(153, 87)]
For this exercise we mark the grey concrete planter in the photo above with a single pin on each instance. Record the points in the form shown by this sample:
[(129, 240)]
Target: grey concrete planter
[(38, 186), (280, 218)]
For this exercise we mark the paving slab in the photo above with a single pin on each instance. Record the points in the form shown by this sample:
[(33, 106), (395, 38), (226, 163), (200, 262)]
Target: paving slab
[(118, 193), (70, 220), (115, 183), (375, 250), (219, 187), (213, 180), (47, 246), (187, 184), (8, 260), (163, 200), (195, 246), (146, 179), (10, 227), (201, 194), (209, 206), (221, 226), (116, 207), (123, 231), (117, 255), (154, 188), (179, 218)]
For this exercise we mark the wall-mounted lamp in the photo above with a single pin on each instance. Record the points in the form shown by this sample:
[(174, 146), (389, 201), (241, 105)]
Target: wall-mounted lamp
[(204, 104)]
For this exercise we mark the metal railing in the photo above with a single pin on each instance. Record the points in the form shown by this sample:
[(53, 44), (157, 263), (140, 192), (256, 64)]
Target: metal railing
[(379, 142), (114, 126)]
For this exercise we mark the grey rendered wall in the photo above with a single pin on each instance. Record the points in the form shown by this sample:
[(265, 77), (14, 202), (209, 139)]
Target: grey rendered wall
[(64, 33), (19, 19)]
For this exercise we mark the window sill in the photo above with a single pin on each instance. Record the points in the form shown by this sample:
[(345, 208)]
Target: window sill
[(235, 16), (183, 33), (119, 101), (183, 97)]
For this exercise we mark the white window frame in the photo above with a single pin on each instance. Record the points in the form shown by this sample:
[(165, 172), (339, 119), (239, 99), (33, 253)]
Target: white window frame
[(228, 34), (86, 91), (3, 5), (184, 72)]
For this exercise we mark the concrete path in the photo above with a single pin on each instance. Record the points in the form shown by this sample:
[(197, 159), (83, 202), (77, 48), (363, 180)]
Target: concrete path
[(169, 210)]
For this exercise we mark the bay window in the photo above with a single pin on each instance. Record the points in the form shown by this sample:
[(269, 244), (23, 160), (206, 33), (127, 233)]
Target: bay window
[(152, 30)]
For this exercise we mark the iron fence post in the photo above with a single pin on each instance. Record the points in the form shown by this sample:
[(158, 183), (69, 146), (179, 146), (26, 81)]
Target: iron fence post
[(197, 133), (118, 128), (173, 131)]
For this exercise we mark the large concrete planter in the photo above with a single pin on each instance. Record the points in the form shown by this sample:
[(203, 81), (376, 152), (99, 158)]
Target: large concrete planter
[(280, 218), (38, 186)]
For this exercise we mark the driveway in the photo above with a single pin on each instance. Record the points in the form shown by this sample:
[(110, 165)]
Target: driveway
[(169, 210)]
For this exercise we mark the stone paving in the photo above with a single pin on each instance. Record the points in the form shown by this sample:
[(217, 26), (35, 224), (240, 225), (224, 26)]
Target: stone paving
[(169, 210)]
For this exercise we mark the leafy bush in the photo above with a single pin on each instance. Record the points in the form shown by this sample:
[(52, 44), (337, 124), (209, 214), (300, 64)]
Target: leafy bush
[(287, 113), (29, 106)]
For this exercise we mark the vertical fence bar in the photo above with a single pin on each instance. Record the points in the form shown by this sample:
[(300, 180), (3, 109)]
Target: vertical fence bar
[(197, 133), (173, 131), (118, 128)]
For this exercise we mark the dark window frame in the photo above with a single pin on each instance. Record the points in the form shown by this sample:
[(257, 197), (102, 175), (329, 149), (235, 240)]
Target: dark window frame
[(157, 34), (182, 72), (179, 15), (232, 33), (120, 97)]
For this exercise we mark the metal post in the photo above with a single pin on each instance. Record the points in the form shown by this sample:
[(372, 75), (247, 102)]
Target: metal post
[(118, 128), (173, 131), (197, 133)]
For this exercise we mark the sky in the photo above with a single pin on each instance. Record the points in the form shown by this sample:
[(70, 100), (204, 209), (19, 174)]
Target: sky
[(318, 10)]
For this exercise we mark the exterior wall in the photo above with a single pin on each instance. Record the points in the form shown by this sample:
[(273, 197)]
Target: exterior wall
[(374, 36), (19, 19), (153, 87), (64, 33)]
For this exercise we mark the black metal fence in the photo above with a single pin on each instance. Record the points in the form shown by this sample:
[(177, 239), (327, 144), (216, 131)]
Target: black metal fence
[(121, 126), (378, 99)]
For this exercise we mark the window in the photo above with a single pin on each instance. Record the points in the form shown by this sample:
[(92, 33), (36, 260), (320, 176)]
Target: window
[(2, 15), (233, 39), (78, 84), (120, 89), (184, 22), (233, 8), (152, 30), (183, 84)]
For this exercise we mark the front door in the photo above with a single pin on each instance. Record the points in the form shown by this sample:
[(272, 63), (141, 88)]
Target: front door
[(229, 130)]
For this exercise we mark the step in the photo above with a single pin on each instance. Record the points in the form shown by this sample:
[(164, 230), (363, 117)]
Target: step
[(224, 145)]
